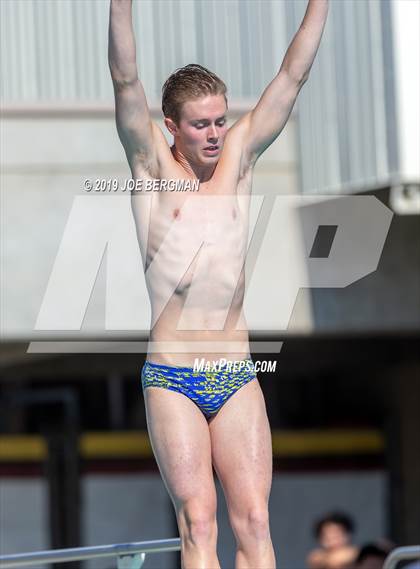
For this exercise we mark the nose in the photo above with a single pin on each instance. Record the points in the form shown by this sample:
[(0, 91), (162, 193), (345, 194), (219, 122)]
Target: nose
[(212, 134)]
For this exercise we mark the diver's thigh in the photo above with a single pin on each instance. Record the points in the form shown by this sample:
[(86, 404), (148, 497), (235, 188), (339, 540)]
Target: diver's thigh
[(242, 448), (180, 439)]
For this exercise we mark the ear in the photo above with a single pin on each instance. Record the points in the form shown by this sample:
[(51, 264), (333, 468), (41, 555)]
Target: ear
[(171, 126)]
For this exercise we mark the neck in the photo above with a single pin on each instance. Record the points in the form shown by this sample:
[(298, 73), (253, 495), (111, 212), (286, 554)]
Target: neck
[(202, 173)]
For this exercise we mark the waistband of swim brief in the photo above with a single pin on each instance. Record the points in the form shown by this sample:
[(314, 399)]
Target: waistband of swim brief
[(187, 368)]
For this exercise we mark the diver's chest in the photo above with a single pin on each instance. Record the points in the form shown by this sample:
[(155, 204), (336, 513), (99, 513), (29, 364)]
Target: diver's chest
[(204, 210)]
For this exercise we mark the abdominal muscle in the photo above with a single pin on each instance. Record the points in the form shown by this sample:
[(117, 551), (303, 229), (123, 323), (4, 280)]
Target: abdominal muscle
[(197, 307), (170, 346)]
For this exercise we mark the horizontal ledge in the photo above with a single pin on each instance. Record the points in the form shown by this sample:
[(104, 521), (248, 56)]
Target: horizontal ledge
[(118, 445), (94, 109), (118, 170)]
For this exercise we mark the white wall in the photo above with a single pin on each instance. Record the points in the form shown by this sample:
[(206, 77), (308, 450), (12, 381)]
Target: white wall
[(406, 18)]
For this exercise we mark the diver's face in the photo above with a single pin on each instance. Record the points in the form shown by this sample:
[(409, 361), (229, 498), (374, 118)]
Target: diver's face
[(202, 129), (333, 536)]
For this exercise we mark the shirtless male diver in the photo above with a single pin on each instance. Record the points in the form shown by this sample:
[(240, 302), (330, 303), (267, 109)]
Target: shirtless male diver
[(200, 420)]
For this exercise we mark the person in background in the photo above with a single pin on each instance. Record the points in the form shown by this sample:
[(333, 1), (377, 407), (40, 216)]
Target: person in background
[(334, 534), (372, 555)]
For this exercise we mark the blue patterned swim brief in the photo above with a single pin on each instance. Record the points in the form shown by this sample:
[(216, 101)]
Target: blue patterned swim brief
[(208, 389)]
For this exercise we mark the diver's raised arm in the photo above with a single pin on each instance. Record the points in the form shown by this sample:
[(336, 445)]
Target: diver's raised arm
[(134, 125), (264, 123)]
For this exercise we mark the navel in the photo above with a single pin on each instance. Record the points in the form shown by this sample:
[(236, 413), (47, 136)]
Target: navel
[(176, 213), (234, 214)]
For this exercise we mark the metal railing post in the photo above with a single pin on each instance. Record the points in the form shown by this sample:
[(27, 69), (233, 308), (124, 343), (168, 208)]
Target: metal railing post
[(402, 554), (131, 561)]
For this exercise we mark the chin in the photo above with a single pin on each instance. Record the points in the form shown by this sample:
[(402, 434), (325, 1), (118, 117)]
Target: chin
[(211, 159)]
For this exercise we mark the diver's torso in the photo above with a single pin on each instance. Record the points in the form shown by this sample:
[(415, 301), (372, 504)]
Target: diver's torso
[(194, 246)]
